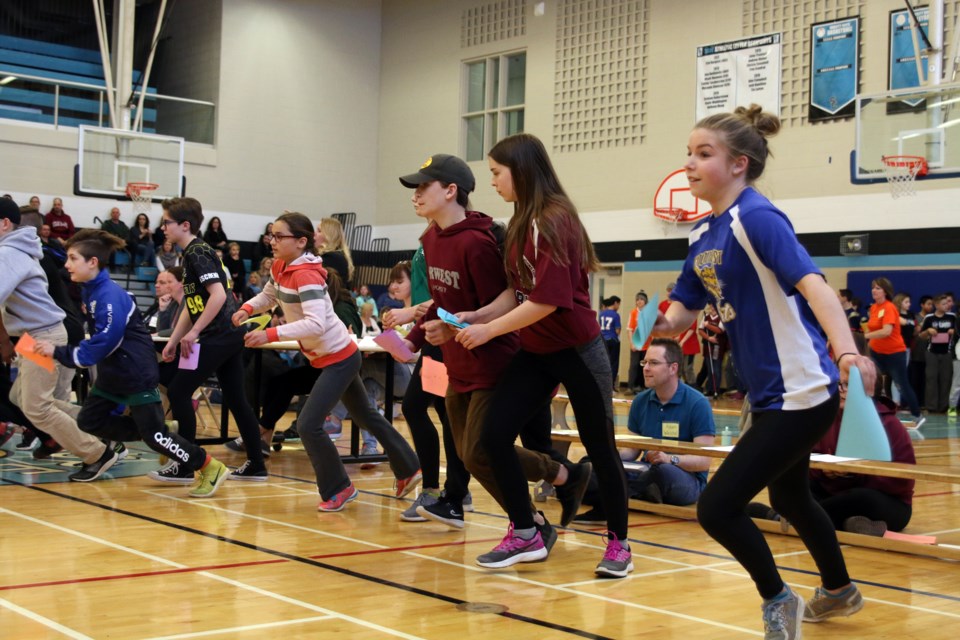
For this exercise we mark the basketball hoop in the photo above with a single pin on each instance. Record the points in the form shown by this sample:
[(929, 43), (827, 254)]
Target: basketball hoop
[(901, 173), (141, 194), (671, 217)]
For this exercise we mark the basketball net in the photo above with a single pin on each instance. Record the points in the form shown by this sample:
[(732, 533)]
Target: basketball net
[(670, 218), (901, 173), (141, 194)]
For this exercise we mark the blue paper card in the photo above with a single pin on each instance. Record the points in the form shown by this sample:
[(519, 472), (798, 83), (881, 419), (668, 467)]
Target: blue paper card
[(645, 321), (450, 319), (861, 433)]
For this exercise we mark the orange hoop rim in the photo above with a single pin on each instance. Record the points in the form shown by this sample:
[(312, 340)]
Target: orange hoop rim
[(907, 162), (135, 188), (672, 214)]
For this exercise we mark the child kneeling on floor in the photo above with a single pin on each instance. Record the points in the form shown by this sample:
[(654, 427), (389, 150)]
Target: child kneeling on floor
[(127, 371)]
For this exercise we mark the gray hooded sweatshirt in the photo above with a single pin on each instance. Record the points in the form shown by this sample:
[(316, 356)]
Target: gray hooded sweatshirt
[(27, 306)]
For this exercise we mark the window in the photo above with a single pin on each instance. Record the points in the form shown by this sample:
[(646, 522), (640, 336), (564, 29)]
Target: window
[(495, 91)]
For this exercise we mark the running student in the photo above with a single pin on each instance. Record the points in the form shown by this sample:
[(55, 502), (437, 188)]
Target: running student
[(298, 284), (775, 306), (204, 324), (126, 361), (464, 272), (548, 258)]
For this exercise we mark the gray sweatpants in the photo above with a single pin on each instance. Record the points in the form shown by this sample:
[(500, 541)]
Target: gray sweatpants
[(341, 381)]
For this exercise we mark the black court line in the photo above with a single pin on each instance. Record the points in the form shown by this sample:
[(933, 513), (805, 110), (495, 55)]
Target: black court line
[(314, 563), (707, 554)]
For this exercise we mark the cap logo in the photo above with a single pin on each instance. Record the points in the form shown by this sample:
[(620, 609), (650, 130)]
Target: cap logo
[(427, 163)]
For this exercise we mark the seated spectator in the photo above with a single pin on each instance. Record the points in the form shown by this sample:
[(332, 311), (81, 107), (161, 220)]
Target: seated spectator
[(61, 225), (868, 505), (236, 269), (115, 225), (35, 202), (141, 241), (254, 285), (52, 245), (215, 235), (168, 256), (670, 410), (264, 249), (162, 315), (266, 264), (368, 321), (388, 300), (363, 296)]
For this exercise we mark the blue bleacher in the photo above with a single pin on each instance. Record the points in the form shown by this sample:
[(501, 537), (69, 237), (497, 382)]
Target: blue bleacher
[(56, 62)]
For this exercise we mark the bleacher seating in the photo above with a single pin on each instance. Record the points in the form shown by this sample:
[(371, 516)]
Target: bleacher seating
[(33, 101)]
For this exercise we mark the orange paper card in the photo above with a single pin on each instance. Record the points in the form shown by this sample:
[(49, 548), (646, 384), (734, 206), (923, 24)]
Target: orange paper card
[(433, 376), (25, 348)]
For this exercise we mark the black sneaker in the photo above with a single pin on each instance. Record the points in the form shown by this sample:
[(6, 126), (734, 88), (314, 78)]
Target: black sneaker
[(571, 493), (27, 440), (652, 494), (761, 511), (174, 472), (449, 513), (46, 449), (237, 445), (594, 516), (246, 473), (548, 533), (90, 472), (120, 448)]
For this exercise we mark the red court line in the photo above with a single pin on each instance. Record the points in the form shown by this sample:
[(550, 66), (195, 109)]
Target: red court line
[(233, 565), (939, 493)]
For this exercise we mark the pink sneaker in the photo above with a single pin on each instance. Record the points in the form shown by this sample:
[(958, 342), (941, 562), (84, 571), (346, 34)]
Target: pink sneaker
[(617, 560), (404, 486), (513, 549), (337, 502)]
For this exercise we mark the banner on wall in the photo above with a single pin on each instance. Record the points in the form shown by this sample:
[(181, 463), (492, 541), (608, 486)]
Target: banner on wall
[(739, 73), (834, 69), (902, 65)]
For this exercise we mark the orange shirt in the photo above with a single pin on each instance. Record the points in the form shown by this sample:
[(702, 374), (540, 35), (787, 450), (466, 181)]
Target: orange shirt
[(881, 314)]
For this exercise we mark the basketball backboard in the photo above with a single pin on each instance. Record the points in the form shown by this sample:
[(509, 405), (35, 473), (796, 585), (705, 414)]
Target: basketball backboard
[(108, 159), (673, 200), (907, 122)]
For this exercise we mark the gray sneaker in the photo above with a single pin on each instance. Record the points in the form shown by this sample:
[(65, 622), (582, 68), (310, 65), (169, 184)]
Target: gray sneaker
[(425, 499), (782, 617), (617, 560), (824, 605), (468, 503)]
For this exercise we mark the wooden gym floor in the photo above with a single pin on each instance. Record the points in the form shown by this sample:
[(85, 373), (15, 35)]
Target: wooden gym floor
[(129, 558)]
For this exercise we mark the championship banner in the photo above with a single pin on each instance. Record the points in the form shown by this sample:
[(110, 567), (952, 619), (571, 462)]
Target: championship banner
[(739, 73), (834, 69), (902, 67)]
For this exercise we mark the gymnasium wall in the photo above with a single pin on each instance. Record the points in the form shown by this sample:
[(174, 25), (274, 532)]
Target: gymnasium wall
[(614, 187)]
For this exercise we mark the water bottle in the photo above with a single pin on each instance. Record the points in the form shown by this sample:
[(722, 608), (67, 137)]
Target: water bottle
[(726, 436)]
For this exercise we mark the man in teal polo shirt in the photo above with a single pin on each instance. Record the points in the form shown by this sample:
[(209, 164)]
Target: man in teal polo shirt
[(669, 410)]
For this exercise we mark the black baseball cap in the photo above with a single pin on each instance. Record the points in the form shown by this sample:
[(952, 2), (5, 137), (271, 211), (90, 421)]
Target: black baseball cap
[(445, 168), (9, 210)]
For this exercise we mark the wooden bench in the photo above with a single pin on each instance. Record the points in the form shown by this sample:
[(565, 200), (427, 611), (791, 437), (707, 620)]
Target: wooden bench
[(930, 473)]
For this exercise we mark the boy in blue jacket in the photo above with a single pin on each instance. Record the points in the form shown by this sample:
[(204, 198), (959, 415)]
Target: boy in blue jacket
[(127, 371)]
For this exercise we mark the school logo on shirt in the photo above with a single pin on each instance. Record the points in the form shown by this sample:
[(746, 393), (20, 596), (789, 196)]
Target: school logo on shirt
[(705, 264), (441, 277)]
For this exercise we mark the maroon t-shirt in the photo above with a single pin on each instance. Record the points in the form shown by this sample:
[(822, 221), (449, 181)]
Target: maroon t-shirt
[(566, 287), (464, 273), (901, 450)]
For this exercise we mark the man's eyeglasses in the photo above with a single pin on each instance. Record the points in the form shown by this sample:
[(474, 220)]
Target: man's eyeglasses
[(270, 237), (167, 221), (652, 363)]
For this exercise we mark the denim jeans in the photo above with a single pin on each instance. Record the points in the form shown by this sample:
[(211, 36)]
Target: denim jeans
[(895, 366)]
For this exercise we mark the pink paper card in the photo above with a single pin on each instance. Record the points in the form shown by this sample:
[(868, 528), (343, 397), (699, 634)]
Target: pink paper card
[(190, 362), (906, 537), (433, 376), (940, 338), (25, 348), (392, 343)]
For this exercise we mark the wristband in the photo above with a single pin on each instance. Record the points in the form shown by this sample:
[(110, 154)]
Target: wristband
[(848, 353)]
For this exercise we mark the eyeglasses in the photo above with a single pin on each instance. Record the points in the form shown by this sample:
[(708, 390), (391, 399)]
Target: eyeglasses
[(270, 237), (652, 363), (167, 221)]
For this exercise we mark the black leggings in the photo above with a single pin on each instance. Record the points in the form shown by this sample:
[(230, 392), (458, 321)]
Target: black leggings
[(870, 503), (145, 422), (525, 385), (416, 402), (225, 360), (774, 453), (279, 392)]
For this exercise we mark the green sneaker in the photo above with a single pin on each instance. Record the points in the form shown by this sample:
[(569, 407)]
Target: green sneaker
[(211, 477), (952, 412), (824, 605)]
